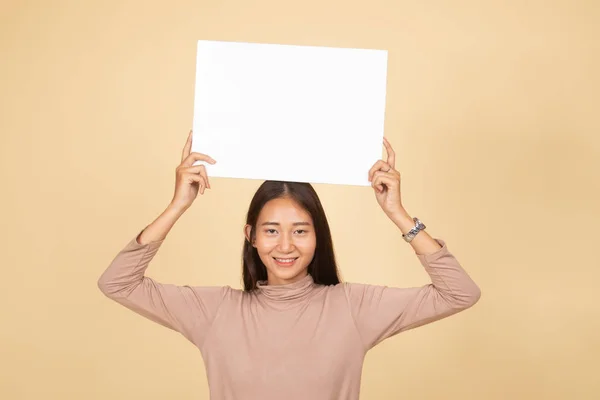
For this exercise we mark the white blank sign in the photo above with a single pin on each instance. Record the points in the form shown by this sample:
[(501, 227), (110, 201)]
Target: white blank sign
[(291, 113)]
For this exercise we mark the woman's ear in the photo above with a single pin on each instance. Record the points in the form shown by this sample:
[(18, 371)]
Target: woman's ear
[(248, 233)]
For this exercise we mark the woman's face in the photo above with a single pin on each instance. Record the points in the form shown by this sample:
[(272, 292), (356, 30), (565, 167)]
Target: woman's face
[(285, 240)]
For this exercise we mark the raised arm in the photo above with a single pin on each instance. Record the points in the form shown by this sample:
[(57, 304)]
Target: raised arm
[(189, 181), (380, 311), (185, 309)]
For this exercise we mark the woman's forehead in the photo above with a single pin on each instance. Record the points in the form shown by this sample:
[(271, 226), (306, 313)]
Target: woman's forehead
[(283, 210)]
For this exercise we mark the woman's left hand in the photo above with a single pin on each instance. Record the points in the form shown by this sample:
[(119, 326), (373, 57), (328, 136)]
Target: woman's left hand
[(385, 181)]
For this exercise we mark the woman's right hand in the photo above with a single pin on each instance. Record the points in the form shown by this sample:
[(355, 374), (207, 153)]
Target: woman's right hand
[(190, 179)]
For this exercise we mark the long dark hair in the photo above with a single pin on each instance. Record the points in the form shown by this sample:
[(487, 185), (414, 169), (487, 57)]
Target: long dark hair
[(323, 267)]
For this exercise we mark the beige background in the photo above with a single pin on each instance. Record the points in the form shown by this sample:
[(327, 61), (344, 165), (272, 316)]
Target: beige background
[(492, 107)]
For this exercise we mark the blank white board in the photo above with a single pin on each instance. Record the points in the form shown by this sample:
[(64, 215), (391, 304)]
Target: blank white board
[(291, 113)]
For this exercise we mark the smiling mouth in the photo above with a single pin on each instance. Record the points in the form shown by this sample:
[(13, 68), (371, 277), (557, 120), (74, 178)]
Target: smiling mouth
[(285, 262)]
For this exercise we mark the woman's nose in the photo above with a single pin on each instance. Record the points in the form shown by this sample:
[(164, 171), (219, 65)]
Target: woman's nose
[(285, 243)]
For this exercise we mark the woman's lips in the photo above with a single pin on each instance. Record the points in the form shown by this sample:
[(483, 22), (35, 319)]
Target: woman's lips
[(285, 262)]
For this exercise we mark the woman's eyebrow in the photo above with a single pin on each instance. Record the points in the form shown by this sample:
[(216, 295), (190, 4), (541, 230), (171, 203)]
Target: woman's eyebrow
[(303, 223)]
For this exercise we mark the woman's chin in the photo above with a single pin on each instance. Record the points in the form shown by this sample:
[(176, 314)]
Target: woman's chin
[(287, 275)]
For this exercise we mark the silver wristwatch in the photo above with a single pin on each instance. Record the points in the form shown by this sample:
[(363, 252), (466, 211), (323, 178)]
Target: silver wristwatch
[(410, 235)]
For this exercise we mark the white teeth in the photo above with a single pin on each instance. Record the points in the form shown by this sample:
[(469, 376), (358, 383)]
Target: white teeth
[(285, 260)]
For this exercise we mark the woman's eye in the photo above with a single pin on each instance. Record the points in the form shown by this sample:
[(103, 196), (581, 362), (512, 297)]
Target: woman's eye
[(274, 231)]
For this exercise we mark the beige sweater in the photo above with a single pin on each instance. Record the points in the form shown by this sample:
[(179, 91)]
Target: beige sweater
[(297, 341)]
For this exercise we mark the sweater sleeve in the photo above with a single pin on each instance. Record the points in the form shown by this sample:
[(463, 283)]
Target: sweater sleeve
[(381, 312), (185, 309)]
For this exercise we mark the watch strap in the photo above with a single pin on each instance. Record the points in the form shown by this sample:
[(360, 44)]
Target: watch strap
[(410, 235)]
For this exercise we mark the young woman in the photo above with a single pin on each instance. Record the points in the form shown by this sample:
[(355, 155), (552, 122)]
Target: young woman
[(295, 331)]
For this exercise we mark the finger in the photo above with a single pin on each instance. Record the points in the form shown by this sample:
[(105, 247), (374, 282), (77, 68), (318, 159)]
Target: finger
[(379, 166), (377, 184), (199, 179), (391, 154), (380, 179), (188, 147), (204, 175), (380, 184), (197, 170), (193, 157)]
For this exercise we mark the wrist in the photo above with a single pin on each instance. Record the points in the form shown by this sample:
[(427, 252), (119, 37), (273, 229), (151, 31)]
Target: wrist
[(402, 220)]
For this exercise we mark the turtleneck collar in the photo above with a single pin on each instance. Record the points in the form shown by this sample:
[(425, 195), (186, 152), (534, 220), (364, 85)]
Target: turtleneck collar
[(290, 291)]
